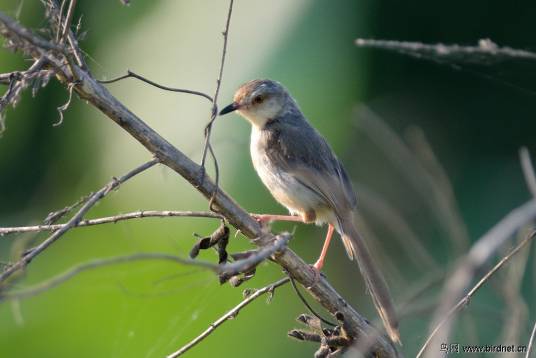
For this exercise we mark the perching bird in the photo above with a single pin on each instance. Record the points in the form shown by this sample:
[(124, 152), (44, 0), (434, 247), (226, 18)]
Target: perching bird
[(301, 171)]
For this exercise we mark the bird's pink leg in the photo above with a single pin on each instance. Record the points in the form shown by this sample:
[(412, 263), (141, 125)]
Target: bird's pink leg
[(320, 262), (266, 218)]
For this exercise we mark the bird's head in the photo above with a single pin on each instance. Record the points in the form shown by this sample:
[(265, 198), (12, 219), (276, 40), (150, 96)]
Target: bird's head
[(259, 101)]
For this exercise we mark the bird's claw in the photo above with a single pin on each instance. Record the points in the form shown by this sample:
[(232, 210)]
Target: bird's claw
[(263, 220)]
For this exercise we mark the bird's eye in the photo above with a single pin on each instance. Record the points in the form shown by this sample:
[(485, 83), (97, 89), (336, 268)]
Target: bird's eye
[(258, 99)]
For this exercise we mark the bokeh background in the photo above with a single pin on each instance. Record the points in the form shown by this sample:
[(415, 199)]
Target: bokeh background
[(474, 118)]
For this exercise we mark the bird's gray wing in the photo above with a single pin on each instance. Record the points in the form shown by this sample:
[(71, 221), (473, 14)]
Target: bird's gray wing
[(302, 152)]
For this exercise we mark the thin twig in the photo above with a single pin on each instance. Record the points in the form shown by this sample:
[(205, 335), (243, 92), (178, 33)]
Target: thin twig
[(307, 305), (208, 128), (61, 109), (56, 14), (465, 299), (234, 268), (8, 26), (245, 265), (531, 341), (26, 258), (131, 74), (68, 19), (113, 219), (73, 271), (485, 50), (229, 315), (528, 170), (59, 18)]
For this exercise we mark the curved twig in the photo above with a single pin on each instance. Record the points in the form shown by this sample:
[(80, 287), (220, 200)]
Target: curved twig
[(131, 74)]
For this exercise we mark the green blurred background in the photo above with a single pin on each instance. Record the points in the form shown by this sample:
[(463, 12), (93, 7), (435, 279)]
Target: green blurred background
[(474, 117)]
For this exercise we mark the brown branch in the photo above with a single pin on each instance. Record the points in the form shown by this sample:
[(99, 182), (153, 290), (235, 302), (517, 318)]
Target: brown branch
[(29, 256), (229, 315), (94, 93), (464, 301), (131, 74), (113, 219), (10, 27)]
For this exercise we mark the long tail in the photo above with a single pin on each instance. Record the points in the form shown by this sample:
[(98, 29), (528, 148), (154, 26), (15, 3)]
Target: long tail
[(356, 247)]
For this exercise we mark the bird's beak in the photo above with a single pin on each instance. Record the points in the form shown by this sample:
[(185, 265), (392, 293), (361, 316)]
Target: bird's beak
[(230, 108)]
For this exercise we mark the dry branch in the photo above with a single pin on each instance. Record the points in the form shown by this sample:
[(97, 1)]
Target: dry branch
[(485, 51), (479, 254), (114, 219), (90, 90), (34, 252)]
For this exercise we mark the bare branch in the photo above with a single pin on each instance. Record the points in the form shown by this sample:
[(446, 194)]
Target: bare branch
[(73, 271), (141, 78), (486, 50), (113, 219), (208, 128), (59, 17), (269, 248), (528, 170), (68, 19), (10, 28), (229, 315), (64, 106), (444, 320), (29, 256)]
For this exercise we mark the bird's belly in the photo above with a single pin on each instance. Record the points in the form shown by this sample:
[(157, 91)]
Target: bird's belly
[(289, 192)]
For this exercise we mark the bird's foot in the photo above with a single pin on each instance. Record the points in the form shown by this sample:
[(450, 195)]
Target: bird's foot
[(319, 264), (262, 219)]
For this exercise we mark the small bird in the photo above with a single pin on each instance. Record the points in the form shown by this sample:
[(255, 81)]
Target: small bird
[(303, 174)]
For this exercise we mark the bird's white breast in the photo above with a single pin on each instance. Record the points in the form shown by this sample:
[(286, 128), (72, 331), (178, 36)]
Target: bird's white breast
[(289, 192)]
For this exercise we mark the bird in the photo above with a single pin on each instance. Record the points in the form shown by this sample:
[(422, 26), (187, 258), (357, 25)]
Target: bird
[(302, 173)]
